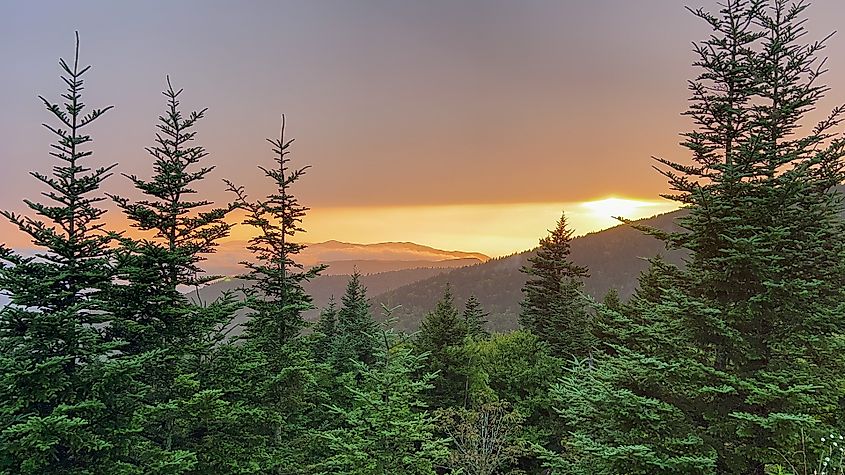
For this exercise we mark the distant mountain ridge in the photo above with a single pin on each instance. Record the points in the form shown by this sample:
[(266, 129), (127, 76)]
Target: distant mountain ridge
[(344, 257), (615, 258)]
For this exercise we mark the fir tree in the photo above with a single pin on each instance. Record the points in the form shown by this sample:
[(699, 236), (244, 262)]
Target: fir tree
[(285, 394), (741, 349), (327, 324), (278, 299), (441, 336), (66, 398), (388, 428), (553, 307), (150, 312), (356, 328), (325, 331), (475, 318)]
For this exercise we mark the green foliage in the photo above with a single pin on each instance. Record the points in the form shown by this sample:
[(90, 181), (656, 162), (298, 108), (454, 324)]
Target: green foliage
[(387, 429), (829, 459), (441, 337), (717, 367), (518, 369), (65, 401), (356, 329), (475, 318), (553, 307)]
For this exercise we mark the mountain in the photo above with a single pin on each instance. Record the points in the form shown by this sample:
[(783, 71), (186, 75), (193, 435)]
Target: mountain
[(324, 287), (615, 257), (344, 257)]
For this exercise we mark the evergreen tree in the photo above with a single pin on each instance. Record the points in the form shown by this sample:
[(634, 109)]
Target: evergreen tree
[(150, 312), (553, 307), (278, 299), (327, 324), (356, 327), (387, 429), (66, 397), (441, 336), (611, 300), (475, 318), (740, 350), (325, 331), (285, 392)]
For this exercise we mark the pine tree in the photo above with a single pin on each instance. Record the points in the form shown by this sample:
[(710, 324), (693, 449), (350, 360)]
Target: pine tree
[(325, 331), (741, 349), (278, 299), (356, 328), (150, 312), (327, 324), (553, 307), (388, 428), (475, 318), (66, 397), (285, 392), (441, 337)]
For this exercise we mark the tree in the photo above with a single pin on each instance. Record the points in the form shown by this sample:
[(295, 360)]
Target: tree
[(325, 331), (485, 440), (518, 369), (553, 307), (285, 393), (356, 328), (327, 324), (475, 318), (740, 348), (441, 337), (150, 312), (388, 428), (66, 397), (278, 299)]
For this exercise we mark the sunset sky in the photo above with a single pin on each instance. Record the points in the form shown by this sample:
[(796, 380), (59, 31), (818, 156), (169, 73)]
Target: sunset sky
[(456, 124)]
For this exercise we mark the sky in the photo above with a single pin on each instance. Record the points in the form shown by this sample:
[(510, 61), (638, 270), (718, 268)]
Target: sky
[(458, 124)]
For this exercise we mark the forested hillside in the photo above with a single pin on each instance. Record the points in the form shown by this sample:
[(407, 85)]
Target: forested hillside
[(615, 257)]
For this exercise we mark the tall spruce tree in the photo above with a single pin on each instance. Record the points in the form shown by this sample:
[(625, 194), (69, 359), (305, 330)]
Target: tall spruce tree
[(278, 299), (67, 399), (177, 232), (285, 392), (475, 318), (553, 307), (739, 350), (356, 328), (149, 310), (441, 337)]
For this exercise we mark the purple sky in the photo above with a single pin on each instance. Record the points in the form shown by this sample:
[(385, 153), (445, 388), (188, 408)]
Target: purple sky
[(438, 102)]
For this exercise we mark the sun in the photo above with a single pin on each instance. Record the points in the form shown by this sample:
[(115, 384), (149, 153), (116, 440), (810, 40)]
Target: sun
[(613, 207)]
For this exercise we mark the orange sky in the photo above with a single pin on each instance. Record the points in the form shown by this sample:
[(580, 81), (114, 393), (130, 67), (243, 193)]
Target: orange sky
[(432, 122)]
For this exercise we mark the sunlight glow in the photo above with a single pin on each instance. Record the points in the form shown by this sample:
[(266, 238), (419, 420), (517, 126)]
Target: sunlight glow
[(493, 229), (619, 207)]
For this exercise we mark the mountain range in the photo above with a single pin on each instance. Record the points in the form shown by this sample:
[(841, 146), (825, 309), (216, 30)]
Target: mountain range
[(615, 257), (344, 258)]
